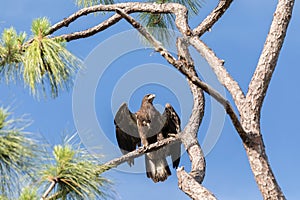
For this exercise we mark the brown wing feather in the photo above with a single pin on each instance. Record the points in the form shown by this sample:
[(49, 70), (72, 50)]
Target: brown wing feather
[(126, 131), (172, 125)]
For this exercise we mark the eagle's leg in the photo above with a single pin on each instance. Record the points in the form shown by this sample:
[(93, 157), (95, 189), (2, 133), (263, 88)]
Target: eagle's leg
[(144, 140), (142, 125)]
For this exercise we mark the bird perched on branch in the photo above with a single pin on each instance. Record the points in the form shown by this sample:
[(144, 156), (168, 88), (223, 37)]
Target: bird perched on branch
[(148, 126)]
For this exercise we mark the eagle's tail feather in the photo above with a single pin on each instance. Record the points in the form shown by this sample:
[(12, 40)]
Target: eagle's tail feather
[(157, 169)]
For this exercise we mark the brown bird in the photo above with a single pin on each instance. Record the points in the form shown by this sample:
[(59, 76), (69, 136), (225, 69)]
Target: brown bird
[(148, 126)]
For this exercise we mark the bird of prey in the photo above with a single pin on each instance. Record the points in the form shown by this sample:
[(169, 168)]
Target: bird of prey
[(145, 127)]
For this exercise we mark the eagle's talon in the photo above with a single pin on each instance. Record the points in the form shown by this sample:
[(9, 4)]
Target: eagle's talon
[(172, 135), (145, 146)]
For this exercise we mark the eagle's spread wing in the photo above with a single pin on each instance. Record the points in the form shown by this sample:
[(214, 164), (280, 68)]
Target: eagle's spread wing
[(126, 131), (172, 126)]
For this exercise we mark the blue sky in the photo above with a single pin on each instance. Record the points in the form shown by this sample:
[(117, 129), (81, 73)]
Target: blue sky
[(238, 39)]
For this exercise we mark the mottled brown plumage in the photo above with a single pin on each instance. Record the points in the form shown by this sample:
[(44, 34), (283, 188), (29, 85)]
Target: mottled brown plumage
[(148, 126)]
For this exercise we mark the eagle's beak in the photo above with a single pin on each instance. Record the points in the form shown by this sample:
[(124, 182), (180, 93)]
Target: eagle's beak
[(151, 97)]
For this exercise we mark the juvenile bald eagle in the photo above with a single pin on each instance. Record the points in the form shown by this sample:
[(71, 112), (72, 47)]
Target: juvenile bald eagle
[(145, 127)]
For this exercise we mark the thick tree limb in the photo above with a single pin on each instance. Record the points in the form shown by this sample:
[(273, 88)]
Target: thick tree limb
[(250, 115), (216, 64), (190, 132), (218, 67), (192, 188), (269, 56), (212, 18)]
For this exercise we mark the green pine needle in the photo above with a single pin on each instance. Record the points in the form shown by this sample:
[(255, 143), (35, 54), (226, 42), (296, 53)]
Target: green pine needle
[(28, 194), (18, 153), (11, 53), (161, 25), (46, 60), (76, 173), (40, 27), (88, 3), (193, 6)]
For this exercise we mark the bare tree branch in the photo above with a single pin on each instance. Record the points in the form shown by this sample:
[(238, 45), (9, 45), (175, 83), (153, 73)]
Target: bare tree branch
[(156, 44), (192, 188), (179, 10), (92, 31), (218, 67), (212, 18), (140, 151), (250, 115), (270, 53), (190, 132)]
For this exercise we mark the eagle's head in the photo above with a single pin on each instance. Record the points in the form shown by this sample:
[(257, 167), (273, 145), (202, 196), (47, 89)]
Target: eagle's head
[(149, 98)]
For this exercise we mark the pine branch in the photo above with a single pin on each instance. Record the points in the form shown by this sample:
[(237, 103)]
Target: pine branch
[(189, 135), (92, 31), (140, 151), (212, 18), (192, 188), (178, 10), (270, 53), (217, 66)]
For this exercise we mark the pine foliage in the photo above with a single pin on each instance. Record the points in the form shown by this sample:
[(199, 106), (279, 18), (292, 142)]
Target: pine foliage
[(162, 25), (18, 153), (76, 174), (87, 3), (44, 62)]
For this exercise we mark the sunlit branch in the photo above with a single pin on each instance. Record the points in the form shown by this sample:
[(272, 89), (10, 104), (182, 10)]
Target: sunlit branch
[(140, 151), (270, 53), (217, 66), (178, 10), (212, 18), (92, 31), (189, 135), (192, 188)]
